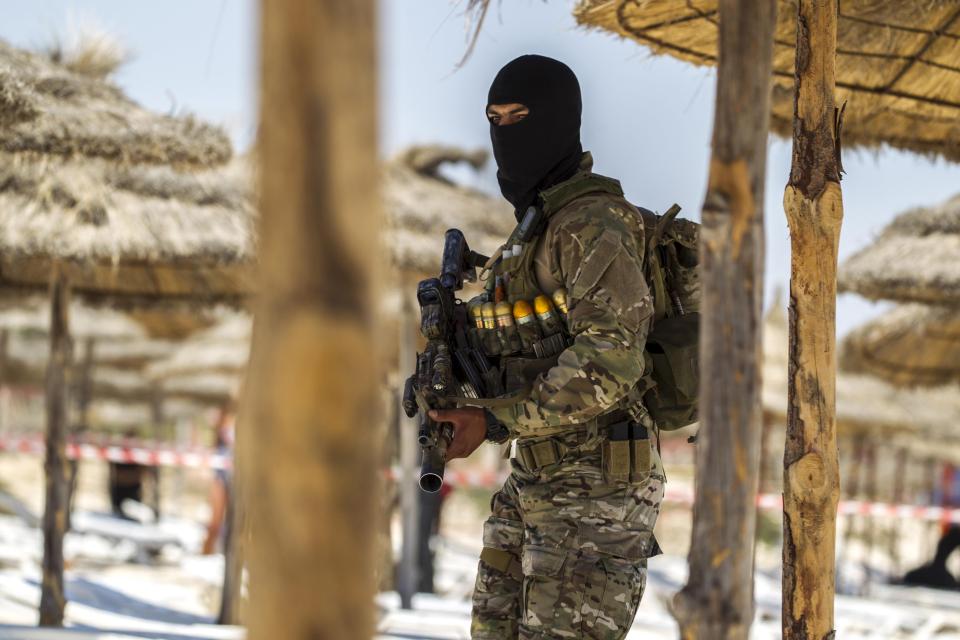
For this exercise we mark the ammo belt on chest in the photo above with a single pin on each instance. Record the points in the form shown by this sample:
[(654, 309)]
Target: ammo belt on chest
[(539, 452)]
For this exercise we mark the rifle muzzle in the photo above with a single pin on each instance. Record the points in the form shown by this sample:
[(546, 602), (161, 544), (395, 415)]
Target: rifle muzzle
[(432, 468)]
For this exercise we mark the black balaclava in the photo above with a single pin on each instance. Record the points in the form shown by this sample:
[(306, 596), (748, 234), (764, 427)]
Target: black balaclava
[(543, 148)]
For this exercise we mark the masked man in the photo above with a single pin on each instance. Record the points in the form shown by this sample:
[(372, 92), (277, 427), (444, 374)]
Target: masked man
[(566, 546)]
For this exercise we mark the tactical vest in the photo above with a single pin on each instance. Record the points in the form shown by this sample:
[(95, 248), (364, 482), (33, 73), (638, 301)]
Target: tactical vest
[(668, 389), (526, 350)]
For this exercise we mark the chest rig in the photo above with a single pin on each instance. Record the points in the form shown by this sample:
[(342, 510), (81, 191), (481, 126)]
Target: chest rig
[(522, 328)]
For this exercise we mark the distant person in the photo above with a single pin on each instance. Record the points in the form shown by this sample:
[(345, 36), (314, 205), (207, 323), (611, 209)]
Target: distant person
[(935, 574), (125, 482), (220, 489)]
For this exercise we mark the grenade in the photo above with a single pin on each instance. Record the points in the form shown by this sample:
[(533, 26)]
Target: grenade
[(523, 313), (475, 314), (560, 300), (504, 314), (549, 320), (488, 315)]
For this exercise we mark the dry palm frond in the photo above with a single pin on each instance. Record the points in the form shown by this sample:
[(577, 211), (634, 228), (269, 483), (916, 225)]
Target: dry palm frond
[(89, 50), (897, 62), (18, 103), (476, 12)]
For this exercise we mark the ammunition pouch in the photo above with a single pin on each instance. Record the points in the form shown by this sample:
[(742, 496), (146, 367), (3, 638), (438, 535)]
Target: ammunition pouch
[(625, 456)]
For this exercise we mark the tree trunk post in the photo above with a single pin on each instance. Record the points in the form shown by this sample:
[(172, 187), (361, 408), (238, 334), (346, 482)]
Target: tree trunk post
[(814, 208), (898, 497), (84, 396), (717, 601), (52, 595), (311, 392), (407, 571), (158, 418)]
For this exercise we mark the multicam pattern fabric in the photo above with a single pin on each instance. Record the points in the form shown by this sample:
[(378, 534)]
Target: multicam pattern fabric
[(582, 543), (590, 247)]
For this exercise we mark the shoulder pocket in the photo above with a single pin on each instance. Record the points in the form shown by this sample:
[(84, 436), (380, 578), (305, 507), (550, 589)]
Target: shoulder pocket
[(596, 263)]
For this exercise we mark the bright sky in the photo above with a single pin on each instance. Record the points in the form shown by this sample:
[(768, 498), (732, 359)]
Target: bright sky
[(647, 120)]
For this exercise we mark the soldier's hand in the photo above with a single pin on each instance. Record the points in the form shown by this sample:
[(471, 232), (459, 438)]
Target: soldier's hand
[(469, 429)]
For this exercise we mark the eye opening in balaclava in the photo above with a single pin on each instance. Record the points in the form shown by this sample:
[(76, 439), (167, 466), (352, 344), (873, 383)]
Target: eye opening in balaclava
[(543, 148)]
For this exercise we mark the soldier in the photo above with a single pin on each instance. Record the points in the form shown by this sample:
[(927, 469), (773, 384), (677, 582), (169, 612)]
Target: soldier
[(566, 545)]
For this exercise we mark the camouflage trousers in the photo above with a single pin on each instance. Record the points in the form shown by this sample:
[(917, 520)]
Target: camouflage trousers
[(565, 549)]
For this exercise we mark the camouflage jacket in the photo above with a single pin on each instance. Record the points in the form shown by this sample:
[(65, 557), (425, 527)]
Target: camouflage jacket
[(592, 246)]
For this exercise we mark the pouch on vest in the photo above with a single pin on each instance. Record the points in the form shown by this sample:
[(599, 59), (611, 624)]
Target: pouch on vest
[(639, 453), (672, 345), (615, 454)]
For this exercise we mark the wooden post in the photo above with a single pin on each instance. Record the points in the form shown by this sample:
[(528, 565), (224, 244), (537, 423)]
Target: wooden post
[(230, 595), (813, 204), (311, 394), (408, 577), (717, 601), (856, 458), (870, 522), (157, 417), (898, 497), (52, 596), (84, 396)]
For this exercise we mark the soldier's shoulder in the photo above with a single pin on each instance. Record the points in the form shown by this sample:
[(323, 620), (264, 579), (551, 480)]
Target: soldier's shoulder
[(595, 213)]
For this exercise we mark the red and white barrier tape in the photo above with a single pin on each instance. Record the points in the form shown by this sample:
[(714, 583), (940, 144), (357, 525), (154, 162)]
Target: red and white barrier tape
[(124, 451), (145, 453)]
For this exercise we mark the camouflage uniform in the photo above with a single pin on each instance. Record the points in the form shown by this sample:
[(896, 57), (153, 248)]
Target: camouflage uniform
[(566, 545)]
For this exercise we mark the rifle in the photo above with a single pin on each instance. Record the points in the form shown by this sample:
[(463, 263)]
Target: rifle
[(451, 365)]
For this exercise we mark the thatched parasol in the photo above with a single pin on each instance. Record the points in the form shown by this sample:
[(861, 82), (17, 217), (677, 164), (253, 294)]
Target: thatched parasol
[(132, 236), (897, 62), (421, 205), (865, 403), (222, 350), (915, 259), (53, 109), (913, 345), (94, 199)]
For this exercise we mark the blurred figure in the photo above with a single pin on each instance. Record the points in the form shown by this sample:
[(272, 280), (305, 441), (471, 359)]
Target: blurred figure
[(935, 574), (220, 489), (125, 482)]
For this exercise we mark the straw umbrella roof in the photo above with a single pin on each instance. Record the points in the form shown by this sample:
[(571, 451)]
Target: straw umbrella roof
[(897, 62), (916, 258), (223, 349), (70, 111), (119, 415), (130, 235), (913, 345), (421, 205), (864, 402)]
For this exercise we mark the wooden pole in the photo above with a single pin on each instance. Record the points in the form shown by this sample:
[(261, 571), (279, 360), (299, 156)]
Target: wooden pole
[(312, 389), (158, 418), (408, 577), (898, 497), (813, 204), (230, 595), (52, 596), (717, 601), (84, 397)]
